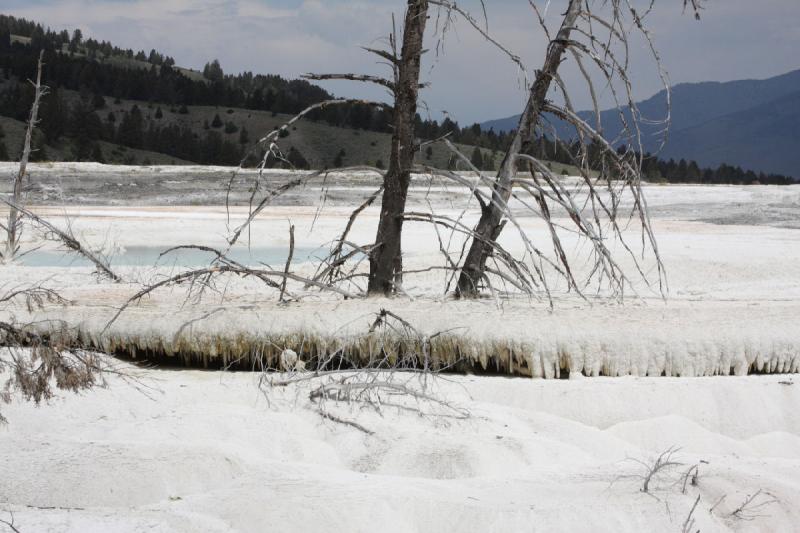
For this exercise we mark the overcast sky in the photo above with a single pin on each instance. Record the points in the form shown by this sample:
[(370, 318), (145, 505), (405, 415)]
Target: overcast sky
[(735, 39)]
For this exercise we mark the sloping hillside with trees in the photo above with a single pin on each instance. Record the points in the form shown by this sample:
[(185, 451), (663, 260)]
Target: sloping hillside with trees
[(115, 105)]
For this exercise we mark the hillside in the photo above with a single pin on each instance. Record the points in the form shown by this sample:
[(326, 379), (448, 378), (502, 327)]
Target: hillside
[(733, 122), (119, 106), (320, 144), (14, 131)]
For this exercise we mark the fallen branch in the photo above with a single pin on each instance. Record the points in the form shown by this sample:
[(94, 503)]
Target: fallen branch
[(192, 275), (351, 423), (68, 240)]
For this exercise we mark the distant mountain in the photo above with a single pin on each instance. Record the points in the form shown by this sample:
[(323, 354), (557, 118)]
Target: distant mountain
[(751, 123), (765, 137)]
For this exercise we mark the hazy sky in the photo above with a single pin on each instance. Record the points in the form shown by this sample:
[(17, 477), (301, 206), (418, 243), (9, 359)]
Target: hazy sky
[(735, 39)]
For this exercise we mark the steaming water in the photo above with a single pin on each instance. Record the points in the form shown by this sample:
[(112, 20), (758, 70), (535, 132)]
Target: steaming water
[(144, 256)]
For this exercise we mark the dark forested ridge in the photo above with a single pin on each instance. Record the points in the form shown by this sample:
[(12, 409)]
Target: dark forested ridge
[(109, 104)]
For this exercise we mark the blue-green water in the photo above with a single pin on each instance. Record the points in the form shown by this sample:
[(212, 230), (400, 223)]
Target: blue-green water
[(148, 256)]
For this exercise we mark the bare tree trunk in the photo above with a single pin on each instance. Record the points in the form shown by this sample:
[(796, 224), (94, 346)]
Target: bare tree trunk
[(13, 224), (491, 222), (386, 259)]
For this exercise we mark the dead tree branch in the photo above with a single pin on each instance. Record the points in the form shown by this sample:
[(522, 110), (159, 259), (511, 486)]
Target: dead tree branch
[(352, 77), (38, 363), (227, 267), (688, 524), (401, 376), (288, 262), (335, 260), (753, 504), (11, 524), (652, 470), (68, 240)]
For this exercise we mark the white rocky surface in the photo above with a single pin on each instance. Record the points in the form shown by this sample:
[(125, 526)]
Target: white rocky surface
[(206, 451)]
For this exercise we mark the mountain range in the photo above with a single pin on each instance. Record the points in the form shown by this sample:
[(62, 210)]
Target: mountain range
[(750, 123)]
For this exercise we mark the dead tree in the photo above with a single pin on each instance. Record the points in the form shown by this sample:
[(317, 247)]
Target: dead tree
[(13, 224), (589, 37), (386, 257), (490, 224), (386, 260)]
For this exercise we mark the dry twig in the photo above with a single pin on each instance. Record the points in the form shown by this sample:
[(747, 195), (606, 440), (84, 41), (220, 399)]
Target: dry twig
[(753, 505)]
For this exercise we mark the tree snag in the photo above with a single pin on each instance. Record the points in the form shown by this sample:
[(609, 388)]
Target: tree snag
[(13, 224), (490, 224), (386, 263)]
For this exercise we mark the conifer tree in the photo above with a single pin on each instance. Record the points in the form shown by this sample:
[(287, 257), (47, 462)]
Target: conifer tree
[(296, 159), (477, 158), (213, 71), (131, 129), (97, 153), (53, 115), (338, 161)]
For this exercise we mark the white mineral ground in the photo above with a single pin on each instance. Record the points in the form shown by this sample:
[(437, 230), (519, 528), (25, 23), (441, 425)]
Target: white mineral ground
[(207, 452)]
